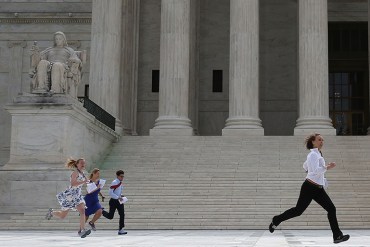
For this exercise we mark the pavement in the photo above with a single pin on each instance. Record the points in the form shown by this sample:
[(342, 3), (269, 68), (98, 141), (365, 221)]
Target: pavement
[(181, 238)]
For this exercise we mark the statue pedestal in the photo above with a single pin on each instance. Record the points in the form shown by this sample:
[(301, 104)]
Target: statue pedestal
[(46, 130)]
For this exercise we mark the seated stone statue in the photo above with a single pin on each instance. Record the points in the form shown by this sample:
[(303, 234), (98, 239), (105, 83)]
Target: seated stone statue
[(56, 69)]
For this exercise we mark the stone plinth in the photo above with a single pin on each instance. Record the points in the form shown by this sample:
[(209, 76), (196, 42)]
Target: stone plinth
[(48, 129)]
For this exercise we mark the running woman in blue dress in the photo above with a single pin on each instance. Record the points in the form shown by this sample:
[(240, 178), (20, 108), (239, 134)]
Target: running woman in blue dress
[(92, 199)]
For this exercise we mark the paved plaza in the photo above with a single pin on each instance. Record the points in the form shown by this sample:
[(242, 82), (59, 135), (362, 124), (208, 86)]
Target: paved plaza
[(180, 238)]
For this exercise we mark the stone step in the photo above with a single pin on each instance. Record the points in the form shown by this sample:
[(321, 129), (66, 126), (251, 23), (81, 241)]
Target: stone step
[(223, 183)]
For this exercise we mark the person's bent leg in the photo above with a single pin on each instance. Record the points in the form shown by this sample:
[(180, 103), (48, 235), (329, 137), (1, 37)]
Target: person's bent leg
[(112, 209), (60, 214), (97, 215), (304, 200)]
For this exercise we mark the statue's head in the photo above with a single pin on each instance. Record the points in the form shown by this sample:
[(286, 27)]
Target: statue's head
[(59, 37)]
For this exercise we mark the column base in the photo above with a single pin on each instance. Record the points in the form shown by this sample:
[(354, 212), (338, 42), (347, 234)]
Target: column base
[(325, 132), (171, 132), (307, 126), (174, 126), (243, 132), (243, 126)]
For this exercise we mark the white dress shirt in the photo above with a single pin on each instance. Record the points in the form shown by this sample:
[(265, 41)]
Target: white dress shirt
[(116, 193), (315, 167)]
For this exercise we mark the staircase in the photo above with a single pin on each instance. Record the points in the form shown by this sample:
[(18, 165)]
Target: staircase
[(219, 182)]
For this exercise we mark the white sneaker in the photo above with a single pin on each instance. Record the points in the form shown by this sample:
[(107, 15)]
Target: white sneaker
[(122, 232)]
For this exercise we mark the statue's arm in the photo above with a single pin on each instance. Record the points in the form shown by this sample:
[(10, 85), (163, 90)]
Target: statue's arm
[(73, 57)]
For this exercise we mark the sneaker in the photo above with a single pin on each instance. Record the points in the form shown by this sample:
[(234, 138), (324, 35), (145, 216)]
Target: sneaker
[(92, 225), (49, 214), (341, 238), (83, 233), (122, 232), (272, 227)]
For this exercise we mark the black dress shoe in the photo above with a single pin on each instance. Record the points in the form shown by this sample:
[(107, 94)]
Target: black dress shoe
[(272, 227), (341, 239)]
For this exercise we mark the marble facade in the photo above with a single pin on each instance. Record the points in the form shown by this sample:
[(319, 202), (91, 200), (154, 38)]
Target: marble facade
[(135, 52)]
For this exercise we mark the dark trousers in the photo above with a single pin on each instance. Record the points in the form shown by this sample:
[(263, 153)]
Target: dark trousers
[(113, 205), (308, 193)]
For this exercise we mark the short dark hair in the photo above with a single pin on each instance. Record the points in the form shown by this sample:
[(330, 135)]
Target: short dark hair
[(310, 139), (119, 172)]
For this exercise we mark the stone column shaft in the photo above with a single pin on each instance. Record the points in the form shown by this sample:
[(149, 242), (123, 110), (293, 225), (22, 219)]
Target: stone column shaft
[(129, 67), (368, 34), (244, 69), (105, 62), (313, 69), (174, 69)]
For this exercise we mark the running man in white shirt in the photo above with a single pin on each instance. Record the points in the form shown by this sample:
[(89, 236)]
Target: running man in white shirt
[(116, 202), (313, 189)]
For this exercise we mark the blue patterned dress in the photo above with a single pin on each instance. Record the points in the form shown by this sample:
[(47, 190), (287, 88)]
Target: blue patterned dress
[(92, 201), (71, 197)]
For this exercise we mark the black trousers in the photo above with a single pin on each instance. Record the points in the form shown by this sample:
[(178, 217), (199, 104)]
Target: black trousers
[(308, 193), (113, 205)]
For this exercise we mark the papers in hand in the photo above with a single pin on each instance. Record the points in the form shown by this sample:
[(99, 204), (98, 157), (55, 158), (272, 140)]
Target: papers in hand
[(102, 183), (91, 187), (123, 200)]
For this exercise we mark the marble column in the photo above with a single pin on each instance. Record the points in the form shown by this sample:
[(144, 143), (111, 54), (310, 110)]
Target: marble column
[(313, 69), (129, 67), (368, 34), (194, 66), (244, 70), (174, 69), (15, 68), (105, 61)]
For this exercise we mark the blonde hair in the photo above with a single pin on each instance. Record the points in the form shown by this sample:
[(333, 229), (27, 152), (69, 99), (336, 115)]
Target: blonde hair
[(94, 171), (71, 163)]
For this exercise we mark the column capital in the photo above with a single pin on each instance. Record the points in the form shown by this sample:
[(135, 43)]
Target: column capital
[(13, 43)]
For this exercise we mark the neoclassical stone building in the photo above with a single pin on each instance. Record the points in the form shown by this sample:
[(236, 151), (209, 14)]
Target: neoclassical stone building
[(228, 72), (223, 67)]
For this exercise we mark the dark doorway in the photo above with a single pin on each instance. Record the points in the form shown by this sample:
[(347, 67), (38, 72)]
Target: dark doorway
[(349, 77)]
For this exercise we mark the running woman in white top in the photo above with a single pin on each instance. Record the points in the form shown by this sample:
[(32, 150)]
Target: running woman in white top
[(313, 189)]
